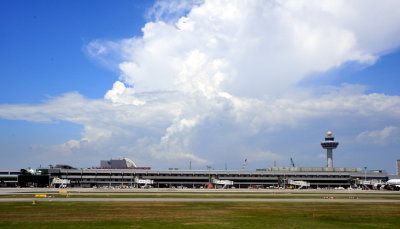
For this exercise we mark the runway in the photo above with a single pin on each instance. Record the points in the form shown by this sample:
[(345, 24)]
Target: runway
[(174, 195), (38, 200), (222, 195)]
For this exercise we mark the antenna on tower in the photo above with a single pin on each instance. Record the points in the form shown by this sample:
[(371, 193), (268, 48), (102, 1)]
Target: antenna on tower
[(190, 165), (291, 162), (244, 164)]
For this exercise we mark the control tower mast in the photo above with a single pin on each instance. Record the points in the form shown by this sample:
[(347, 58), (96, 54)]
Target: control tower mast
[(329, 144)]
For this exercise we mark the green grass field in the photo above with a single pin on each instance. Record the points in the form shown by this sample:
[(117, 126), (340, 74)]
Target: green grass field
[(198, 215)]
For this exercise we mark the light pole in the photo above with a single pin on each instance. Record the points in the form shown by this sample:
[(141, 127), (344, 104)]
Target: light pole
[(365, 175)]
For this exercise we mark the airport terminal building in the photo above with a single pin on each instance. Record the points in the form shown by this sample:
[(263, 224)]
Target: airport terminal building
[(125, 173), (275, 177)]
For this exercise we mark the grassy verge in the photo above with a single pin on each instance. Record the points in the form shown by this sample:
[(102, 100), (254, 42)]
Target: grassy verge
[(198, 215)]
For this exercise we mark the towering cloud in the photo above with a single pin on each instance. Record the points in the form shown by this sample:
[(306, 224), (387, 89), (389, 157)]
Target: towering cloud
[(207, 77)]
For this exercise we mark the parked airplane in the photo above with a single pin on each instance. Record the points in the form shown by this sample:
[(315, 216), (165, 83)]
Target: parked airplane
[(393, 184)]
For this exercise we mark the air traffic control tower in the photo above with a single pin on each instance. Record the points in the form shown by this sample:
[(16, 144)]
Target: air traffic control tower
[(329, 144)]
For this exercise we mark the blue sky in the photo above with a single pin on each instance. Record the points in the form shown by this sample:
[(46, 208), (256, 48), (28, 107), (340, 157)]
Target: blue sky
[(43, 45), (212, 82)]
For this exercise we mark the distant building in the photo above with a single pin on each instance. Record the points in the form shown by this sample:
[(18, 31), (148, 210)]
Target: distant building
[(124, 163), (9, 178), (398, 167)]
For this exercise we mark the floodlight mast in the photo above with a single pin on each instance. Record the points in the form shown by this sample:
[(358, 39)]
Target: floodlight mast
[(329, 144)]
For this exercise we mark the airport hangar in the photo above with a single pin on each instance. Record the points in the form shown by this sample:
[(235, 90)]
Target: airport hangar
[(124, 172)]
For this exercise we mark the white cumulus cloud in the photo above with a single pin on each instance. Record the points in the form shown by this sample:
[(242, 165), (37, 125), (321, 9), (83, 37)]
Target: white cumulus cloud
[(380, 137), (207, 76)]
